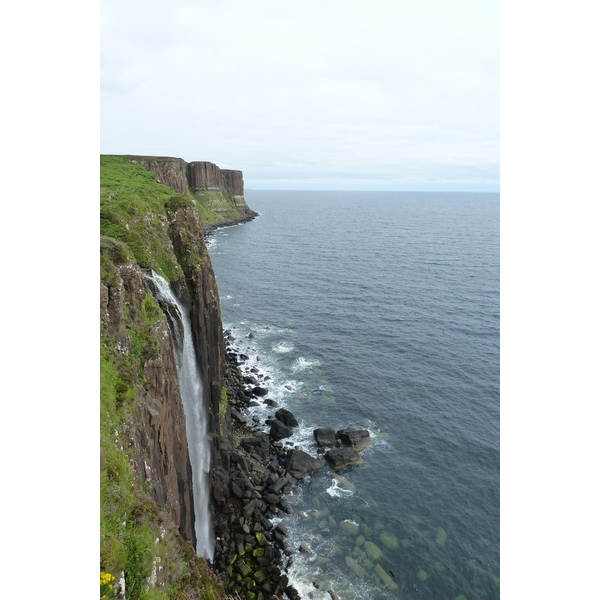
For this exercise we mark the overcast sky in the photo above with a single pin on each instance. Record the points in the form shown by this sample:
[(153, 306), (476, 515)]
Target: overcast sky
[(308, 95)]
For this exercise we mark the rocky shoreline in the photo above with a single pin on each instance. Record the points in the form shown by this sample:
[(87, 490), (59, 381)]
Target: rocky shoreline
[(210, 228), (251, 554)]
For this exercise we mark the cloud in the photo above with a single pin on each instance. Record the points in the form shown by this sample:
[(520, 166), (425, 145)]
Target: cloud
[(326, 85)]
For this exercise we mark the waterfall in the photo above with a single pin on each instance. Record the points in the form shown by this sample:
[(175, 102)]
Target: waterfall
[(190, 387)]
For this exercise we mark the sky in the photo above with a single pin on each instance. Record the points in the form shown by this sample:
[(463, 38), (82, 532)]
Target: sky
[(327, 94)]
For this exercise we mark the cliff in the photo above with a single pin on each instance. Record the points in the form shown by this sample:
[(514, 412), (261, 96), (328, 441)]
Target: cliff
[(147, 514), (218, 193)]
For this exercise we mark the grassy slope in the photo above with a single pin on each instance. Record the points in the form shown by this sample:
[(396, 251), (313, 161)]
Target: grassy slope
[(136, 536), (120, 169)]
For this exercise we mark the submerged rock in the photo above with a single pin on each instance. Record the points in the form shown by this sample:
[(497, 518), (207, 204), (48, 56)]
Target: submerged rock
[(373, 552), (349, 527), (342, 458), (388, 540), (353, 564), (385, 578), (304, 549)]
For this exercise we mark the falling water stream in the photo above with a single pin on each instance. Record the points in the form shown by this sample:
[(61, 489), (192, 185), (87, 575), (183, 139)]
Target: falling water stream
[(190, 386)]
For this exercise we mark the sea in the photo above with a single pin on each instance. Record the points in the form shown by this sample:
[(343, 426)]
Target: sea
[(379, 310)]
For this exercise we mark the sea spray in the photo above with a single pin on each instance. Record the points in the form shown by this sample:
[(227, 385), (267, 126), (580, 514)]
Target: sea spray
[(190, 387)]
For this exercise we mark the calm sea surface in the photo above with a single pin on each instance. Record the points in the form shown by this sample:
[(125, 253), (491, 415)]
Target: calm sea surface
[(381, 310)]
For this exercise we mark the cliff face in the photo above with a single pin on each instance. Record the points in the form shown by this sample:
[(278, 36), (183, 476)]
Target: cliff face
[(205, 311), (169, 171), (144, 455), (155, 432), (221, 191)]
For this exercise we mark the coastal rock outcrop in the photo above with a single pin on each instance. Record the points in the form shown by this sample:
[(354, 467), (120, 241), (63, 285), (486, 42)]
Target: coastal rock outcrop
[(324, 436), (221, 190), (301, 464), (342, 458), (355, 437)]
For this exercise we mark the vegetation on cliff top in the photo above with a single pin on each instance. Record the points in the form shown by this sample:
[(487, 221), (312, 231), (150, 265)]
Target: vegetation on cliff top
[(125, 180), (138, 539)]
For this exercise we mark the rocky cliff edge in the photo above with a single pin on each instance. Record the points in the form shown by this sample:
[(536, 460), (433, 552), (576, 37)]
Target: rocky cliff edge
[(219, 193)]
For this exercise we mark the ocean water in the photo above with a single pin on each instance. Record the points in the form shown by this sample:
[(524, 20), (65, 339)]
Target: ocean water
[(381, 310)]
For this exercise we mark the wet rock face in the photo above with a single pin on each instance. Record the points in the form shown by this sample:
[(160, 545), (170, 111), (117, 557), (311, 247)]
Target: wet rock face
[(301, 464), (342, 458), (279, 430), (355, 437), (205, 313), (324, 436), (286, 417), (156, 431)]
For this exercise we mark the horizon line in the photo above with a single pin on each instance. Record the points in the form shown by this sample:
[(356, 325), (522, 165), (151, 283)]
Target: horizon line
[(252, 189)]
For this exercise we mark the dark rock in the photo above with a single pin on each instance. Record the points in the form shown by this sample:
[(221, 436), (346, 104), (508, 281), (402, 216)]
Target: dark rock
[(278, 485), (237, 491), (301, 464), (343, 458), (304, 549), (237, 416), (286, 417), (355, 437), (292, 593), (279, 431), (325, 436), (285, 506), (270, 402), (282, 585), (260, 391)]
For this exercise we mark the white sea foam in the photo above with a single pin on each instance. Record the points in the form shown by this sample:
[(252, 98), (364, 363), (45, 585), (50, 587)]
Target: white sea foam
[(302, 364), (283, 347), (378, 437), (335, 491), (291, 385)]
